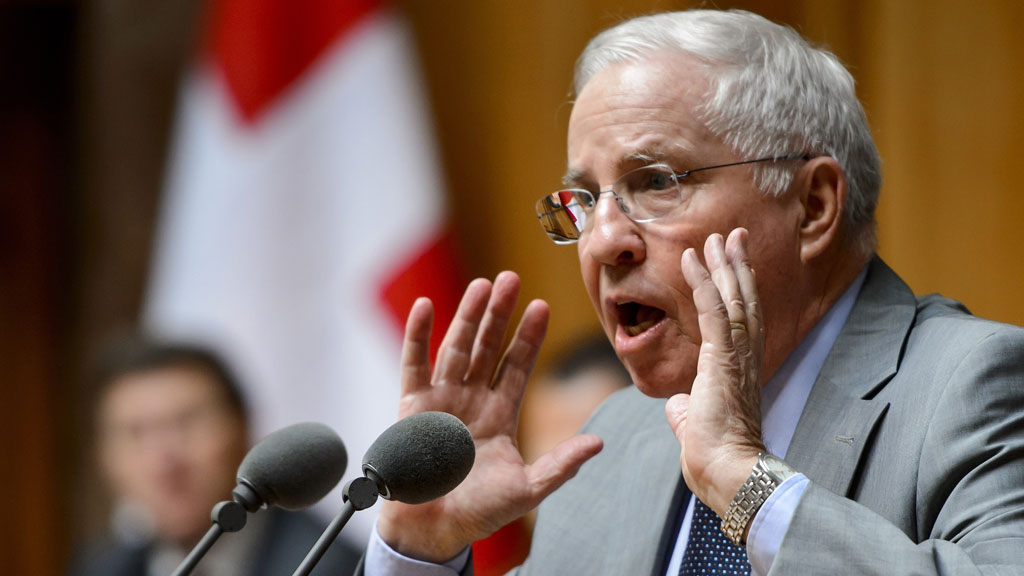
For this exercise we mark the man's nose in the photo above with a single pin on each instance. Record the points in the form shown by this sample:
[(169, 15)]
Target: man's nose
[(613, 238)]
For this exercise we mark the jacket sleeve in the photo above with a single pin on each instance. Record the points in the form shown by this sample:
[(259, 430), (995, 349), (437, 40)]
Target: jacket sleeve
[(969, 508)]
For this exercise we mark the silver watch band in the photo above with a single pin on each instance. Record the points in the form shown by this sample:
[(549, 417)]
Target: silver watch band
[(766, 476)]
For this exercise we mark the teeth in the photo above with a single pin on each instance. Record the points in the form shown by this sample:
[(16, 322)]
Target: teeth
[(639, 328)]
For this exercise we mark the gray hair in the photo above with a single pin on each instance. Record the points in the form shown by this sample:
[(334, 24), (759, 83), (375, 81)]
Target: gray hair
[(771, 93)]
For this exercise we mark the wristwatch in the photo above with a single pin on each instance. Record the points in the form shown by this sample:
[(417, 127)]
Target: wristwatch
[(766, 476)]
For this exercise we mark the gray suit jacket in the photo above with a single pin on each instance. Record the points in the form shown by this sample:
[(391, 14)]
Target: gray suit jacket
[(912, 437)]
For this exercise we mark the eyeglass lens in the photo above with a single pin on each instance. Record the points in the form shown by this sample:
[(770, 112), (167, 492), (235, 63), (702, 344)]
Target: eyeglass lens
[(642, 194), (564, 214)]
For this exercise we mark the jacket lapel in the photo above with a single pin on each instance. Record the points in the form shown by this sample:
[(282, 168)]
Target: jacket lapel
[(841, 414), (669, 535), (651, 555)]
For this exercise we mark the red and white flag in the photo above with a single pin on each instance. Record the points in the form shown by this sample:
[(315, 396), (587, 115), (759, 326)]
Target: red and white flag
[(304, 212)]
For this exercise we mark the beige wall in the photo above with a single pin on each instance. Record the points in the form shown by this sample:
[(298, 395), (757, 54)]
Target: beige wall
[(945, 90)]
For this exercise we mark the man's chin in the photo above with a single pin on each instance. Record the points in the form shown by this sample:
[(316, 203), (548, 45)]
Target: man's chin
[(184, 537), (661, 381), (184, 531)]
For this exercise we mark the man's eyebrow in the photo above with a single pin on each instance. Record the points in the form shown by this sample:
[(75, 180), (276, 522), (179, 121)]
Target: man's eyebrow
[(573, 176), (644, 156), (647, 156)]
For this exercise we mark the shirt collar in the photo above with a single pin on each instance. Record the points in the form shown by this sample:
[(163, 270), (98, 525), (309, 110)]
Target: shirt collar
[(784, 396)]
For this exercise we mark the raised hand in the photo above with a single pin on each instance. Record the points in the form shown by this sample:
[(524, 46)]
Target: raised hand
[(484, 387), (719, 423)]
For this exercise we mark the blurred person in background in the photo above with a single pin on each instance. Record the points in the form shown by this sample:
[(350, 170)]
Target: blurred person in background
[(171, 429)]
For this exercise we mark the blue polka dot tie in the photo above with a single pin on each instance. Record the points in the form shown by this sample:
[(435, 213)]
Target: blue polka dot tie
[(708, 551)]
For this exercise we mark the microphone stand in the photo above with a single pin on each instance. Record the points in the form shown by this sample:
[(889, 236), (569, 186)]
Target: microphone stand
[(227, 516), (359, 494)]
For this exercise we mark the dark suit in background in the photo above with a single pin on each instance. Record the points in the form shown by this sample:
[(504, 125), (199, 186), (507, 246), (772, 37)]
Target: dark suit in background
[(286, 538)]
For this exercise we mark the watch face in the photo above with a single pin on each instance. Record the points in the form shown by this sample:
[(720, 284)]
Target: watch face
[(776, 467)]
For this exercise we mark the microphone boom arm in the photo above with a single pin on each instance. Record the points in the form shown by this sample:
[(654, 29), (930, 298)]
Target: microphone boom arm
[(359, 494), (227, 516)]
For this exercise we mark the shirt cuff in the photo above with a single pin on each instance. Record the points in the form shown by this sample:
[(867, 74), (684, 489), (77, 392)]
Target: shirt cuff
[(382, 560), (771, 522)]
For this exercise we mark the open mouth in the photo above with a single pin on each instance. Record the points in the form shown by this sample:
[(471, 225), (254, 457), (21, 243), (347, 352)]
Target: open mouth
[(638, 318)]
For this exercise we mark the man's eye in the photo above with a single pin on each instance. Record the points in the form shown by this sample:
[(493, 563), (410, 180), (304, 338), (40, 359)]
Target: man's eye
[(659, 181), (646, 180)]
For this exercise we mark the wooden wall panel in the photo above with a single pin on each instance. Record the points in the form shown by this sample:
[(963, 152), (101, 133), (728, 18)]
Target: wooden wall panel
[(35, 160), (946, 99)]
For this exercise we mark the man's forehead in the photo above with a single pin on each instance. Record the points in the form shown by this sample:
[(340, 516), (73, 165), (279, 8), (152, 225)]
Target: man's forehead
[(162, 388), (637, 112)]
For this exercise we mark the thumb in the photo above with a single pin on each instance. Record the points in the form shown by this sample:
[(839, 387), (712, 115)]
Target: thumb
[(556, 467), (675, 410)]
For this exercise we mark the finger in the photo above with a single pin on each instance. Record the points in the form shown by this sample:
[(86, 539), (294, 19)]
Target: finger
[(675, 410), (728, 285), (487, 347), (556, 467), (712, 316), (517, 363), (455, 352), (416, 347), (736, 249)]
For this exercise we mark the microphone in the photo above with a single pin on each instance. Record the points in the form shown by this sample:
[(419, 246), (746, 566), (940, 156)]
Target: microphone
[(292, 468), (418, 459)]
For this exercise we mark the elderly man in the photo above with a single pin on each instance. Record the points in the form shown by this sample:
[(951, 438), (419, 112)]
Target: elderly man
[(721, 186)]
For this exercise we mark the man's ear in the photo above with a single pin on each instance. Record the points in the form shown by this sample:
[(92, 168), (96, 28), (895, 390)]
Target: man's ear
[(822, 188)]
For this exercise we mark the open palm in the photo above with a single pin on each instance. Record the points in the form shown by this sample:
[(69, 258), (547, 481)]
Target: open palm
[(482, 385)]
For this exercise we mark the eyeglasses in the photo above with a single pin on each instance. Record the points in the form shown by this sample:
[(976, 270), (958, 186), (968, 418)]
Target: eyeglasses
[(643, 195)]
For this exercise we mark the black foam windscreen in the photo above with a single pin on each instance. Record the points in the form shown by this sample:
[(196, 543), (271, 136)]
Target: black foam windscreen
[(296, 466), (420, 457)]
